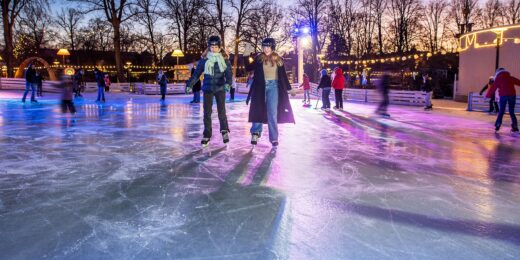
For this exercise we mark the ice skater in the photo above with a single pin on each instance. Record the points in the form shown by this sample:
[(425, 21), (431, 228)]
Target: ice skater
[(325, 84), (505, 83), (163, 84), (30, 83), (493, 104), (269, 94), (39, 84), (78, 82), (196, 88), (217, 80), (338, 83), (67, 105), (306, 84), (100, 80), (107, 83), (428, 88), (384, 89)]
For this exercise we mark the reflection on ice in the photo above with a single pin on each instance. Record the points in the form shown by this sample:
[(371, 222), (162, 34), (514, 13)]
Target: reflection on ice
[(128, 179)]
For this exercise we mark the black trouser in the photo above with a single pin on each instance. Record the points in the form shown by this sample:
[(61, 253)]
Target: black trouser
[(493, 104), (68, 105), (163, 92), (232, 93), (208, 109), (40, 90), (383, 106), (339, 98)]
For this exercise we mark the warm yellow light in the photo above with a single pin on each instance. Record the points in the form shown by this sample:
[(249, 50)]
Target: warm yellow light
[(404, 58), (251, 60), (63, 52), (416, 56), (305, 42), (177, 53), (429, 54)]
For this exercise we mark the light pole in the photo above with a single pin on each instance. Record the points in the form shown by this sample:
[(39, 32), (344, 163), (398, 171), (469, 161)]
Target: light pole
[(63, 53), (302, 41), (178, 54)]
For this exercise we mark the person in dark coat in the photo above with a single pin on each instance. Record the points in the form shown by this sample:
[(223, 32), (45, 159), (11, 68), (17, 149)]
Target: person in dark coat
[(30, 83), (100, 80), (268, 94), (427, 86), (163, 84), (196, 88), (39, 84), (217, 81), (78, 82), (384, 89), (493, 104), (325, 84)]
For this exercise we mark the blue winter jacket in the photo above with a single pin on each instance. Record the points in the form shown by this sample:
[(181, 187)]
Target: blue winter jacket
[(211, 84)]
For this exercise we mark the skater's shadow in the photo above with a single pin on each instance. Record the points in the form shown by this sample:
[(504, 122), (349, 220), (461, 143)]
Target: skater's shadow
[(259, 172), (500, 169), (503, 232)]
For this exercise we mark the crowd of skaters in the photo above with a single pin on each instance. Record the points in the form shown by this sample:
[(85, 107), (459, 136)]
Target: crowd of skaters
[(269, 88)]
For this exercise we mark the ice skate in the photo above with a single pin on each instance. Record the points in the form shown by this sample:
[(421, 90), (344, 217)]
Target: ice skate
[(497, 128), (204, 142), (514, 131), (225, 136), (254, 140), (275, 146)]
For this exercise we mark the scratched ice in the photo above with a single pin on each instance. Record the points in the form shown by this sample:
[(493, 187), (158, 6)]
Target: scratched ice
[(127, 180)]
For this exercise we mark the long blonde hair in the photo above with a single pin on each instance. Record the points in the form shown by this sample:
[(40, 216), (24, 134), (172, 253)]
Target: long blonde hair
[(222, 51), (273, 59)]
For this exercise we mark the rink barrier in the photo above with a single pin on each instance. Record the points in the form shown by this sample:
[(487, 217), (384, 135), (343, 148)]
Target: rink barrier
[(19, 84), (477, 102), (398, 97)]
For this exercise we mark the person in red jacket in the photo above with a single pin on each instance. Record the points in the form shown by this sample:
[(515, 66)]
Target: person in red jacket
[(338, 83), (306, 90), (505, 84)]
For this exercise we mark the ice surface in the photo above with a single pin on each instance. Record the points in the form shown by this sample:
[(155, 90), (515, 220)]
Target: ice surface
[(128, 180)]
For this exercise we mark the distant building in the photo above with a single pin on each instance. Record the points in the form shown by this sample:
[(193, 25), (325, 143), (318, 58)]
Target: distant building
[(477, 58)]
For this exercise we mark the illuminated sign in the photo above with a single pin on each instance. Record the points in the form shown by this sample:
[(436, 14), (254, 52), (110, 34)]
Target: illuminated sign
[(69, 71), (473, 39)]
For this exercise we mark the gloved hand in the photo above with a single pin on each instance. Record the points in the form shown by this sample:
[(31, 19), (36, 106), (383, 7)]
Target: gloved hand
[(187, 89), (227, 87)]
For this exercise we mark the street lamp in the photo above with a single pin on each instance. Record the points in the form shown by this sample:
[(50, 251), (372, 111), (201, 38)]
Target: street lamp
[(301, 34), (178, 54), (63, 53)]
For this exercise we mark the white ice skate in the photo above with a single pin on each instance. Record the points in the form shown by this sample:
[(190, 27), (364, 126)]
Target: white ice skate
[(254, 140), (205, 142)]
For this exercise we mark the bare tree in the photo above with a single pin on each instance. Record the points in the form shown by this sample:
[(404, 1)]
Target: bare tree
[(220, 19), (405, 17), (184, 14), (95, 36), (379, 7), (266, 22), (200, 33), (465, 13), (492, 14), (512, 11), (312, 12), (69, 20), (116, 13), (435, 24), (147, 14), (35, 22), (244, 9), (341, 20), (11, 10)]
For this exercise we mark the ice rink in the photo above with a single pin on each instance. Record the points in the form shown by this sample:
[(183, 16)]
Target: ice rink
[(128, 180)]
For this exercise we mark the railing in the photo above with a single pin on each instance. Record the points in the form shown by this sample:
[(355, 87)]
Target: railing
[(398, 97), (19, 84), (477, 102)]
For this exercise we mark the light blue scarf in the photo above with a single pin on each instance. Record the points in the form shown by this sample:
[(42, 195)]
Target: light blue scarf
[(214, 58)]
